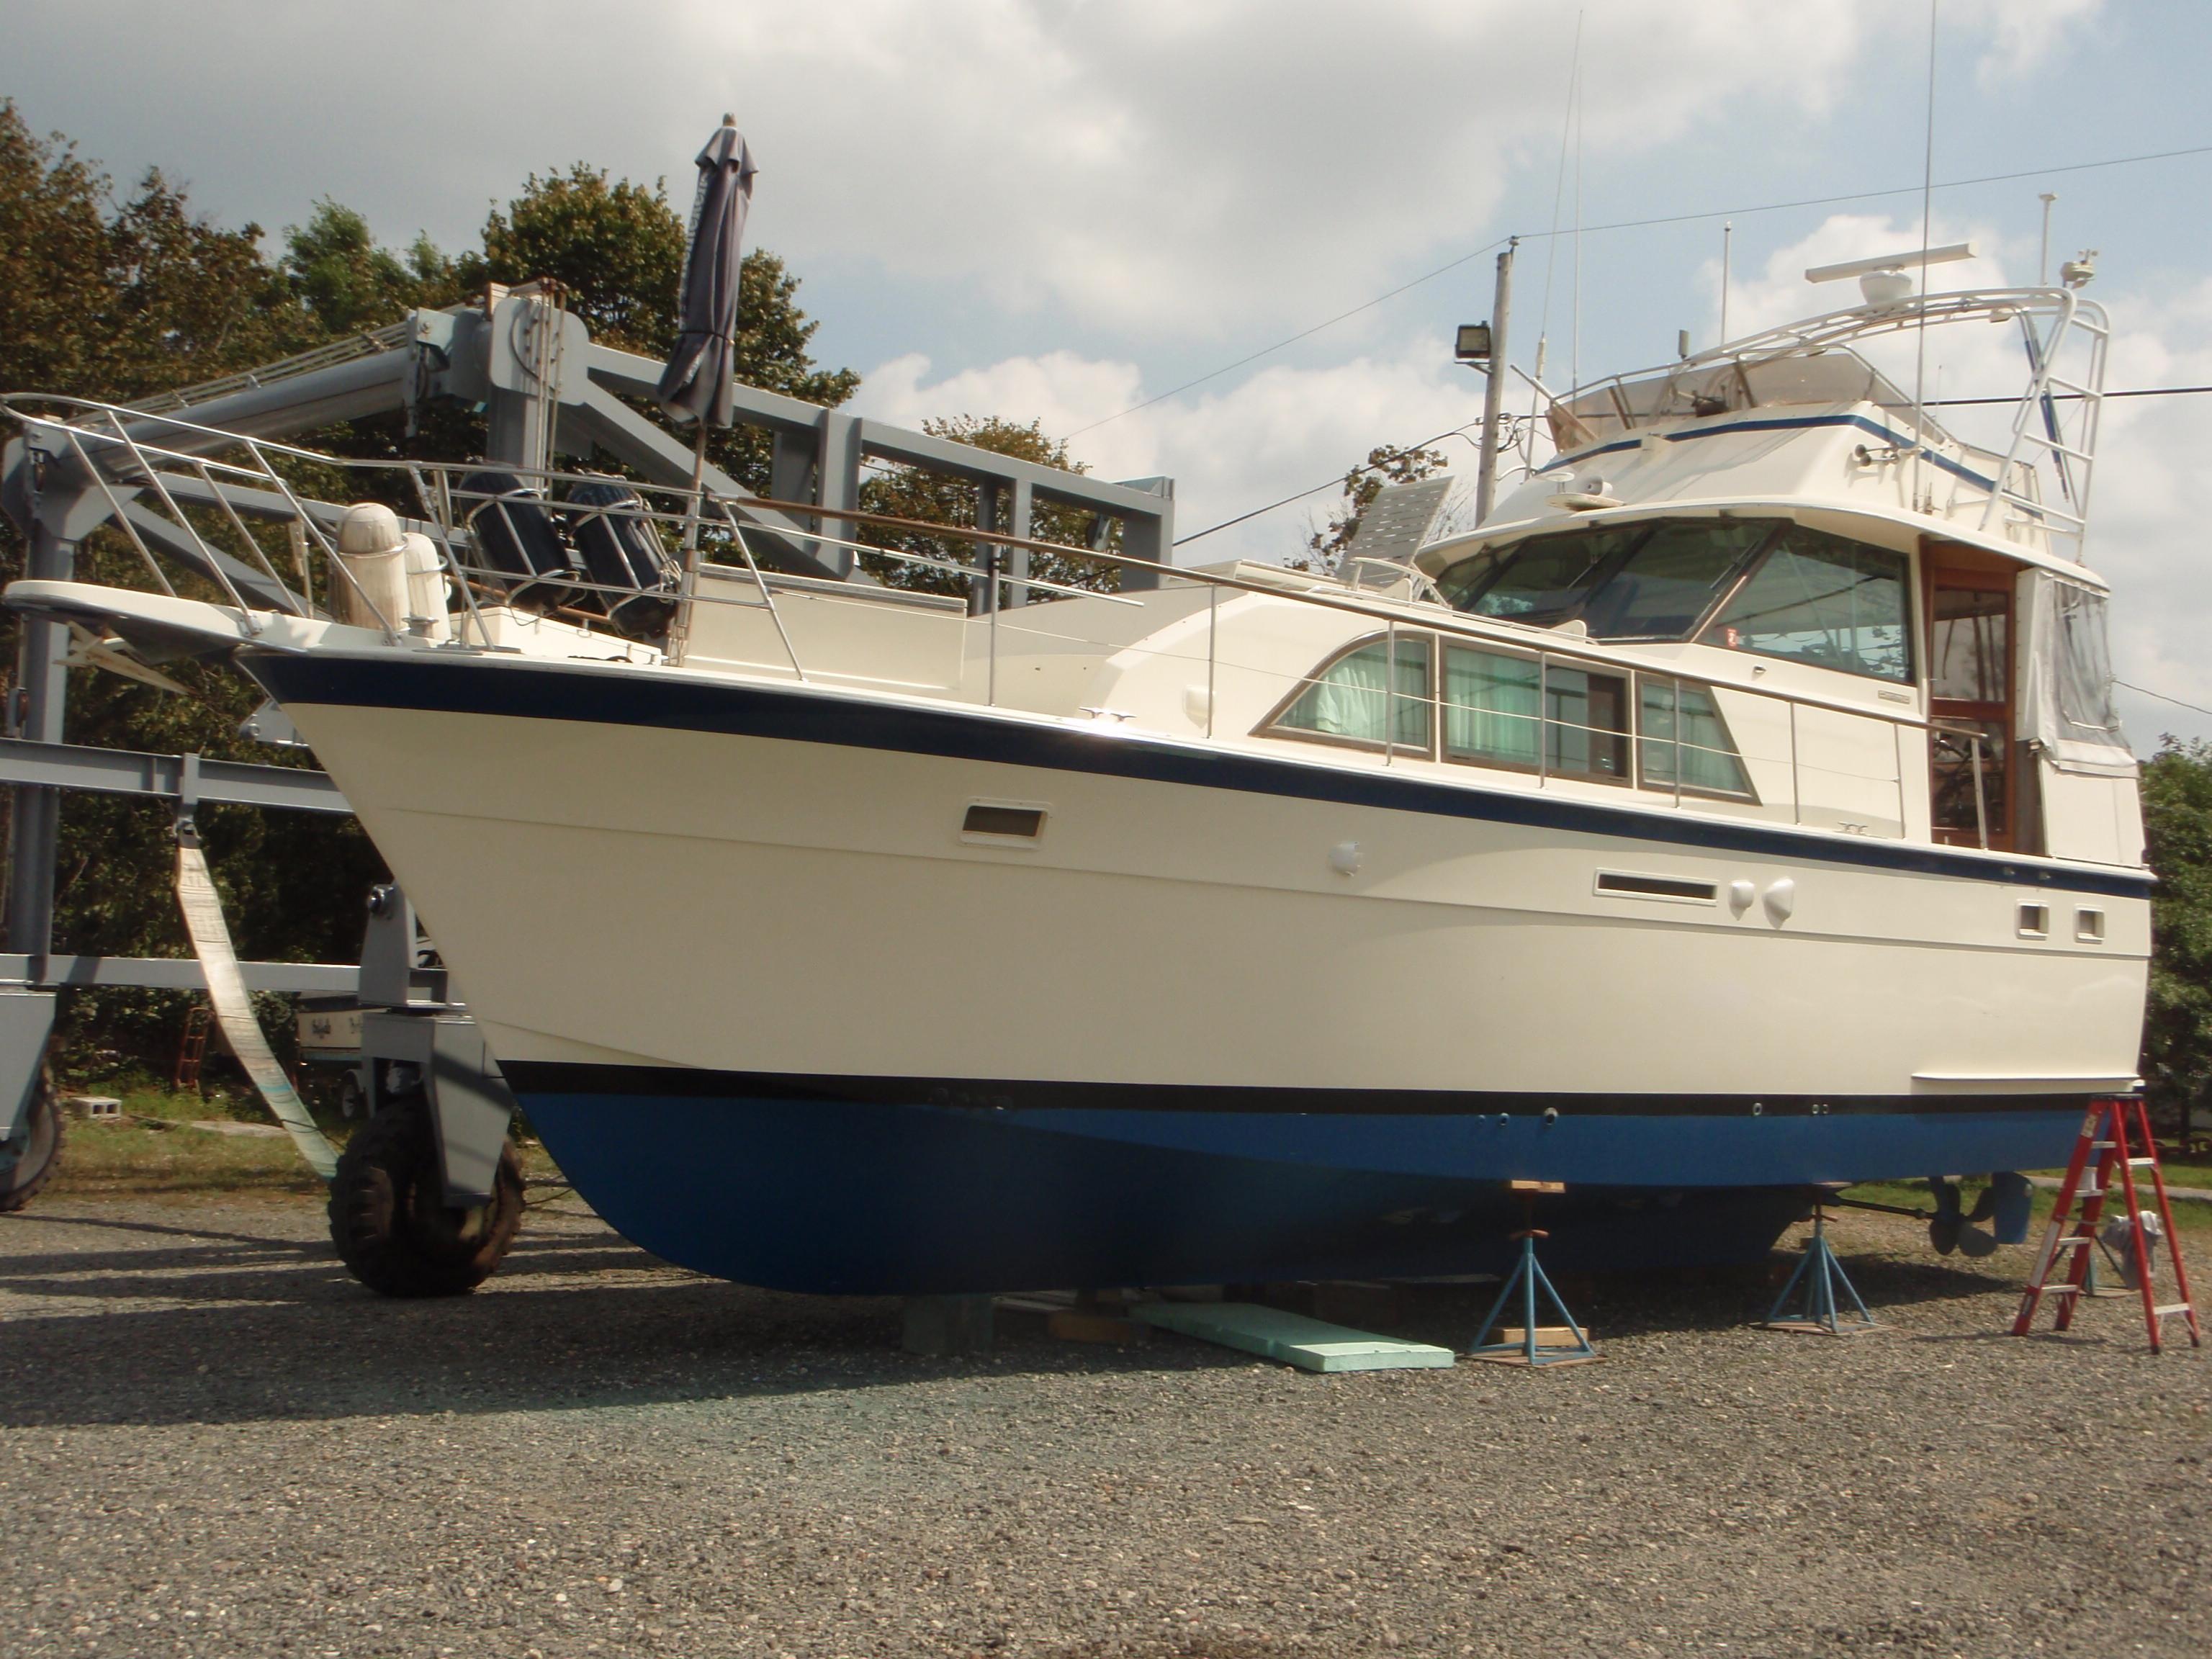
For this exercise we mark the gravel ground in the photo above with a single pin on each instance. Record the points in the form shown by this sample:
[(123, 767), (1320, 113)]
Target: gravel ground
[(213, 1442)]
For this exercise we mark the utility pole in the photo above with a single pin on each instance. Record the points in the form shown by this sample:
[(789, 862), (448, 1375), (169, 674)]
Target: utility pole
[(1493, 395)]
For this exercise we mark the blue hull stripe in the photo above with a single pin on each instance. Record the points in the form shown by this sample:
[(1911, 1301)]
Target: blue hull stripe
[(1080, 1100), (524, 690), (1780, 423)]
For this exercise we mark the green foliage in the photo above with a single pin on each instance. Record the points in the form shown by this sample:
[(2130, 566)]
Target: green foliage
[(2177, 797), (1383, 467), (617, 248), (347, 283), (113, 300), (907, 492)]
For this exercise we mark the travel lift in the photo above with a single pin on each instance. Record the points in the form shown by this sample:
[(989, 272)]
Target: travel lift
[(426, 1197)]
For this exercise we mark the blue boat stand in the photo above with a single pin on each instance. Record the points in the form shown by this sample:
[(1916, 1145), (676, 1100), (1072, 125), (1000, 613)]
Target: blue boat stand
[(1528, 1278), (1819, 1273)]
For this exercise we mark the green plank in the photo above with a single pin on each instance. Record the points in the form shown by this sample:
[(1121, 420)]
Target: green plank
[(1311, 1345)]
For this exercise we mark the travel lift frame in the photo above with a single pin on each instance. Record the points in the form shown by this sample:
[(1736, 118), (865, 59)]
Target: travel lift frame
[(547, 389)]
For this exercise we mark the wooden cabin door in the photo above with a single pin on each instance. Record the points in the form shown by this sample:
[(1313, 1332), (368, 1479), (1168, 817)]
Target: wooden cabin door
[(1972, 793)]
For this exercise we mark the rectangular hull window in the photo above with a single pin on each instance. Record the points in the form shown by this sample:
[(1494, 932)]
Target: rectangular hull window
[(1656, 887), (1008, 823)]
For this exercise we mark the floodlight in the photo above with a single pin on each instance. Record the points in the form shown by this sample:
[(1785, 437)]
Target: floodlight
[(1472, 345)]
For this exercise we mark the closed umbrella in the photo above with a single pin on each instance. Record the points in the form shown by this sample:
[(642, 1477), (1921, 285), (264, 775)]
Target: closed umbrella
[(701, 369)]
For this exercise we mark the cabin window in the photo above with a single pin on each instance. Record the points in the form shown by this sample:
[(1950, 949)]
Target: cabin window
[(1681, 735), (2084, 674), (1353, 698), (1494, 708), (1650, 580), (1544, 579), (1668, 583), (1585, 723), (1822, 600)]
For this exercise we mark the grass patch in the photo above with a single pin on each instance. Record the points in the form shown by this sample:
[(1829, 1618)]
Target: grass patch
[(154, 1151), (2190, 1219)]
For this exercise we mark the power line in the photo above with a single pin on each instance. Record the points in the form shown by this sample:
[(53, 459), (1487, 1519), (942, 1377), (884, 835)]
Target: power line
[(1639, 224), (2144, 691), (1328, 483), (1304, 333)]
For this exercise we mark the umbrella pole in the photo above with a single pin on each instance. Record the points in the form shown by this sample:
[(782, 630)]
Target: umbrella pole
[(680, 628)]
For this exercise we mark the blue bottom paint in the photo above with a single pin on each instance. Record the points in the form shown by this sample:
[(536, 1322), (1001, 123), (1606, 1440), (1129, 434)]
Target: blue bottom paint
[(857, 1198)]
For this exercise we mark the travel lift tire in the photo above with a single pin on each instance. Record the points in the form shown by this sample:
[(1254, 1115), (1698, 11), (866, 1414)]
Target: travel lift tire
[(37, 1155), (389, 1217)]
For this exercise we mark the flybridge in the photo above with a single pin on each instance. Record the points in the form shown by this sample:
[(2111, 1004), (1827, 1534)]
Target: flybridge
[(2032, 490)]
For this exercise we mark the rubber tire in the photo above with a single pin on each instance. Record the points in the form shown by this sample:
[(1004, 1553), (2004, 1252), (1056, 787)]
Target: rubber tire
[(36, 1166), (389, 1219)]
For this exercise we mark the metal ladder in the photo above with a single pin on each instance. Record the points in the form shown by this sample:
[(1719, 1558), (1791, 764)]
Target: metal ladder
[(2042, 429), (191, 1052), (2110, 1132)]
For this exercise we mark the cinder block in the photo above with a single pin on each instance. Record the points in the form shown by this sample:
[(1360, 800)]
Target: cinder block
[(940, 1326)]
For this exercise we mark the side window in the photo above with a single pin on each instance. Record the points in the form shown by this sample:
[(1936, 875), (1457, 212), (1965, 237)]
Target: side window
[(1494, 708), (1351, 697), (1585, 723), (1681, 735), (1824, 600)]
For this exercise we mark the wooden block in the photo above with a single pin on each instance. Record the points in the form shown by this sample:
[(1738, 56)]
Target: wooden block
[(1071, 1325), (1548, 1336)]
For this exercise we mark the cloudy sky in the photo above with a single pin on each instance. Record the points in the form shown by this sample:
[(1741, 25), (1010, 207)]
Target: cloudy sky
[(1064, 209)]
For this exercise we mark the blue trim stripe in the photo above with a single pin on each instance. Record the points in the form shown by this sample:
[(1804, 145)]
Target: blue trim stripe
[(522, 688), (1779, 423)]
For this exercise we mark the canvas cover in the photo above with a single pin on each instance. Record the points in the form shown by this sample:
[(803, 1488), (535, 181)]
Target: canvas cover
[(2066, 678)]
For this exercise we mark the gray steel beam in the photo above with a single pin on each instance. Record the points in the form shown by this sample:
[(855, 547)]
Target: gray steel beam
[(24, 761), (376, 385), (183, 544), (36, 711), (179, 973)]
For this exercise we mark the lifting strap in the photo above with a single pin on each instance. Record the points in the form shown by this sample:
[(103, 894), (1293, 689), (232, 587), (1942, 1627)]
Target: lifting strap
[(234, 1008)]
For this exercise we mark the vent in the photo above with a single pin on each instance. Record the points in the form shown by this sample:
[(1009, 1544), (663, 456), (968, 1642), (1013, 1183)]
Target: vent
[(2035, 922), (1003, 822), (1657, 887), (2089, 927)]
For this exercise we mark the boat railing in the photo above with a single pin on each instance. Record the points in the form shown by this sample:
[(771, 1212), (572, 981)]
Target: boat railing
[(213, 487), (2055, 420)]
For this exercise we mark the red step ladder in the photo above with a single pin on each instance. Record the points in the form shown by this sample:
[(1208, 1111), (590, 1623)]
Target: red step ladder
[(2110, 1134), (192, 1051)]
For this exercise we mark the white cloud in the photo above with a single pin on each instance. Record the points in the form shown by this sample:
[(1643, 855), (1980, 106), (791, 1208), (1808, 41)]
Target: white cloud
[(1280, 432), (2023, 35), (1173, 170)]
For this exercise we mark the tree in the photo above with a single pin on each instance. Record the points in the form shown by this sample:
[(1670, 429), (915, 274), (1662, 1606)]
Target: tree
[(908, 492), (1383, 467), (617, 248), (113, 300), (2176, 798), (340, 275)]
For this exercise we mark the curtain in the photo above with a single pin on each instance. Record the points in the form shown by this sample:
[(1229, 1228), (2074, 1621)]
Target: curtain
[(1492, 708)]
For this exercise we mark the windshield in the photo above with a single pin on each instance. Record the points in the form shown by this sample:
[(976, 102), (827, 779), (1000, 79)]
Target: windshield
[(1642, 581)]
